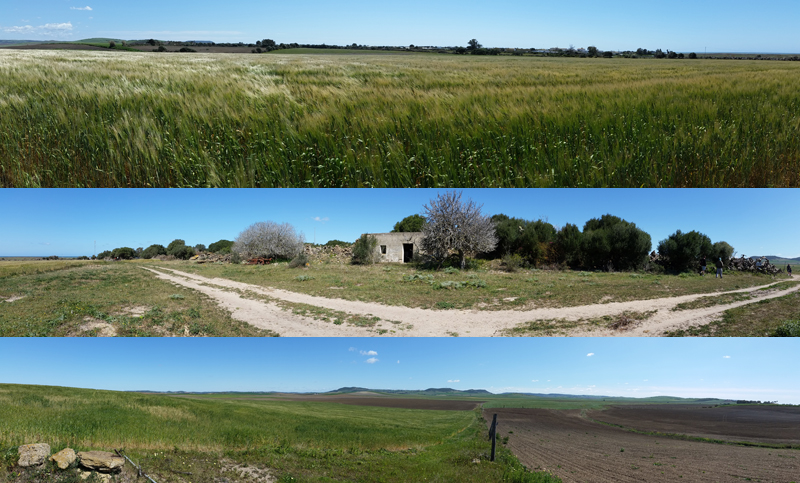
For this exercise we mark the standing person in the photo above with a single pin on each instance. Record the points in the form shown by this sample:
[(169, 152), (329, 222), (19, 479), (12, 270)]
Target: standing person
[(703, 265), (789, 269), (718, 264)]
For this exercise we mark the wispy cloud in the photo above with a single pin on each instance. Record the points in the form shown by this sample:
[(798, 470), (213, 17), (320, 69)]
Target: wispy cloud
[(454, 380), (81, 8), (590, 354), (368, 353), (726, 357), (321, 220), (55, 29), (534, 380), (371, 360)]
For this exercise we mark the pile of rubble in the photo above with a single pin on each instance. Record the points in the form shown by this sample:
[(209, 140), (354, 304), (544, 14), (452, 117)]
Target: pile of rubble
[(100, 463), (208, 257), (759, 265), (337, 254)]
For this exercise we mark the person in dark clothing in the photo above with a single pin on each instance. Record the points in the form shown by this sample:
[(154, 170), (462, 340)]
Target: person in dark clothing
[(703, 265), (718, 264), (789, 269)]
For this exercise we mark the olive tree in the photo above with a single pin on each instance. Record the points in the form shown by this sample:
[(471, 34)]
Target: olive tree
[(269, 239), (456, 226)]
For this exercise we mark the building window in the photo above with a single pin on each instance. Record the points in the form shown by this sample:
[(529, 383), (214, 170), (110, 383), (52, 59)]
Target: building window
[(383, 249)]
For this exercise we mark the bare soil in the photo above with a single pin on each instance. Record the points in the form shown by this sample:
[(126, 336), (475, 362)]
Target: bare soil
[(578, 450), (442, 323), (757, 423)]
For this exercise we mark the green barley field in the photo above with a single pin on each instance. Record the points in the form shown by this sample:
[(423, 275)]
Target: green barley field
[(127, 119), (171, 437)]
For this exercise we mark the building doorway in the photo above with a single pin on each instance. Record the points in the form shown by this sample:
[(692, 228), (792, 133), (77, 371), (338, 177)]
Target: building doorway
[(408, 252)]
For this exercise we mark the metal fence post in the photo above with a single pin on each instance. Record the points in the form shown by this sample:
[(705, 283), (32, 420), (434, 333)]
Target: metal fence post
[(493, 434)]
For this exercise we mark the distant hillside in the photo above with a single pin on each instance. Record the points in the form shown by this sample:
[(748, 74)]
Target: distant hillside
[(20, 42), (426, 392), (776, 260)]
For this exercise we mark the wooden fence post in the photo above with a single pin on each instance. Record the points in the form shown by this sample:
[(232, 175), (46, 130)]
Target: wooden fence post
[(493, 434)]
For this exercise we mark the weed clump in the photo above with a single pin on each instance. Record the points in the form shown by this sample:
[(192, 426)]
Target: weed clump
[(788, 329)]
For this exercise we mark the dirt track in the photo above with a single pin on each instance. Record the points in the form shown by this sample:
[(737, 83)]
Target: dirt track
[(578, 450), (417, 322)]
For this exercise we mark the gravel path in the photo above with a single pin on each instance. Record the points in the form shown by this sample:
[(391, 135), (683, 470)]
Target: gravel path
[(416, 322)]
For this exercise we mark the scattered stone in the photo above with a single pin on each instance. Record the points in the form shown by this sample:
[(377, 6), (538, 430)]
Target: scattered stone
[(104, 329), (101, 461), (64, 458), (33, 454), (104, 478), (14, 298)]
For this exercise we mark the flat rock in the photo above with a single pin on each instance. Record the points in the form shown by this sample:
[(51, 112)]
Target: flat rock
[(101, 461), (33, 454), (102, 478), (64, 458)]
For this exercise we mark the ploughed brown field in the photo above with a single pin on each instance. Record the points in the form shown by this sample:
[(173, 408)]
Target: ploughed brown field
[(570, 445), (763, 424)]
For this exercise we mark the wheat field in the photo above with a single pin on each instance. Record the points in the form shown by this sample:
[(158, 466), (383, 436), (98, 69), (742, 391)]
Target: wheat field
[(125, 119)]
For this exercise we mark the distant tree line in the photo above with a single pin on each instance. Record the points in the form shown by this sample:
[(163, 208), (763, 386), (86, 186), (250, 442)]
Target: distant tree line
[(177, 249), (605, 243)]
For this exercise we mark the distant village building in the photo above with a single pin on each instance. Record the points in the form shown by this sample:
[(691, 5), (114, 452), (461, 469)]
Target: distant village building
[(397, 247)]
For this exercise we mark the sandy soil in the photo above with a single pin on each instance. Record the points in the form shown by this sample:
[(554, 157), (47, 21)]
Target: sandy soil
[(579, 450), (442, 323)]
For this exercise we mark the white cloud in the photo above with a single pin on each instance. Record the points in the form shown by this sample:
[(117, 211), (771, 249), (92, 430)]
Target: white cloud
[(371, 360), (726, 357), (81, 8), (368, 353), (352, 349), (398, 362), (534, 380), (46, 29), (321, 220), (454, 380), (590, 354)]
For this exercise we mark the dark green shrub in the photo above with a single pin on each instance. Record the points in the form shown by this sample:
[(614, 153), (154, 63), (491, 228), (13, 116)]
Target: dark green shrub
[(187, 49), (568, 245), (124, 253), (413, 223), (236, 258), (178, 249), (220, 246), (722, 250), (613, 243), (299, 261), (153, 251), (105, 254), (364, 250), (337, 243), (788, 329), (681, 251)]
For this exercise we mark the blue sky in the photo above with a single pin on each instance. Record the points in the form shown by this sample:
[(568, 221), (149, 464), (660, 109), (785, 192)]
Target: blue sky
[(67, 222), (726, 367), (680, 25)]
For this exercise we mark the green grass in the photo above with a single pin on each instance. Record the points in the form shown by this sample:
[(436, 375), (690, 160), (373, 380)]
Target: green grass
[(758, 319), (296, 441), (82, 298), (125, 119), (483, 289)]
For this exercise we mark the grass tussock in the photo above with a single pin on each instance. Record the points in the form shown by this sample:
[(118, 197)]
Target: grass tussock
[(125, 119)]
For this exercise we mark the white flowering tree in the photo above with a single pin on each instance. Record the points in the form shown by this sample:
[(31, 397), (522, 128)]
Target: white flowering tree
[(268, 239), (457, 226)]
